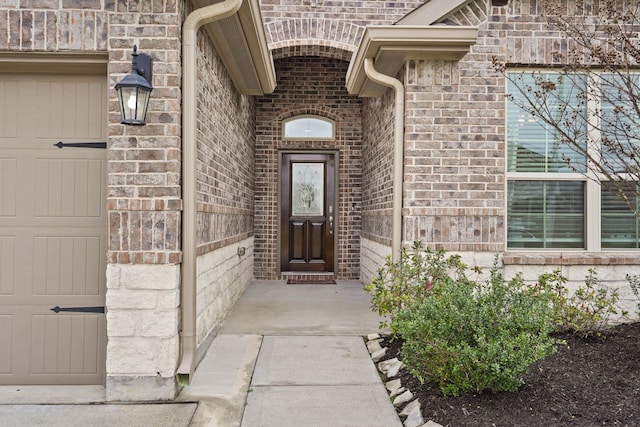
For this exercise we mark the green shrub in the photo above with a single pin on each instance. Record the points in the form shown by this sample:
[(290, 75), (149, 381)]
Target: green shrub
[(584, 312), (400, 283), (473, 336), (470, 335)]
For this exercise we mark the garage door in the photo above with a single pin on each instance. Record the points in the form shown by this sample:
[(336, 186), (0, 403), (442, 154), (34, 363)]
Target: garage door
[(52, 229)]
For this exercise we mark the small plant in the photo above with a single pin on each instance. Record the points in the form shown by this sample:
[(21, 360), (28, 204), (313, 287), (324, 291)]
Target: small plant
[(634, 282), (404, 282), (471, 336), (585, 312)]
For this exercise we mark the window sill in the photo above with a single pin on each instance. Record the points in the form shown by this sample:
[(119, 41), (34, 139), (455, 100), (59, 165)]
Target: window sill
[(570, 258)]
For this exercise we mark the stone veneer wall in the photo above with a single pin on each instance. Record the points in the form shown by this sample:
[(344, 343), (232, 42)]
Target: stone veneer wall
[(611, 270), (312, 86), (225, 189)]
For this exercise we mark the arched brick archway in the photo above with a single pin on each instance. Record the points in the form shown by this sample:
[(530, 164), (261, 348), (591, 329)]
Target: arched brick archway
[(311, 50), (307, 110), (313, 37)]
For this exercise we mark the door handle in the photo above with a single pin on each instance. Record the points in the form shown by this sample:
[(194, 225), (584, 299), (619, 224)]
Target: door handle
[(331, 219)]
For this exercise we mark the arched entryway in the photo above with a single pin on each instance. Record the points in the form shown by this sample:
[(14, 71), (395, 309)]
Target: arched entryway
[(309, 86)]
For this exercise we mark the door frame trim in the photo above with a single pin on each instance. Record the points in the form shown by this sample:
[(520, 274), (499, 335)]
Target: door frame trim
[(336, 184)]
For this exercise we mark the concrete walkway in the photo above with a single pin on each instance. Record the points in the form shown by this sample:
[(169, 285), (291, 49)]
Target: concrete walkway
[(287, 355), (293, 355)]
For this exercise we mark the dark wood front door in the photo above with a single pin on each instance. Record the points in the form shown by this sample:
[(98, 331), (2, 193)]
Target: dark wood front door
[(308, 214)]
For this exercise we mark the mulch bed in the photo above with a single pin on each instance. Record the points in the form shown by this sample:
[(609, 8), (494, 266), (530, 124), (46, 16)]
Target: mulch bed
[(588, 382)]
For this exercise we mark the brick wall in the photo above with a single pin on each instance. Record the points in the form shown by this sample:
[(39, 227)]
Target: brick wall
[(454, 168), (335, 26), (322, 94), (454, 146), (324, 30), (144, 208), (454, 183), (377, 168), (225, 191), (144, 196), (377, 182), (52, 25)]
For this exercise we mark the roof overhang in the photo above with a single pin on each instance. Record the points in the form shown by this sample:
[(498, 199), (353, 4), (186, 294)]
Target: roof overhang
[(391, 45), (242, 45)]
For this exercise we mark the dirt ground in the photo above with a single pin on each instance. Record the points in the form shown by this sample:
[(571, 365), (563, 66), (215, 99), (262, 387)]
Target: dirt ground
[(588, 382)]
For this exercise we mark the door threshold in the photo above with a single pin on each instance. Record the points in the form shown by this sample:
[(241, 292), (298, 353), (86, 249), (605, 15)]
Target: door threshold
[(309, 275)]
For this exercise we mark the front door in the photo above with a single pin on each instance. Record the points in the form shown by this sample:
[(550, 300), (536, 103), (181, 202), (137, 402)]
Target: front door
[(308, 212)]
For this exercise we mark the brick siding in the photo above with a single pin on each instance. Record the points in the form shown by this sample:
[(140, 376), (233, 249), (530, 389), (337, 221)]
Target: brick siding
[(48, 25), (320, 32), (322, 94), (144, 196), (225, 165), (225, 191), (377, 168)]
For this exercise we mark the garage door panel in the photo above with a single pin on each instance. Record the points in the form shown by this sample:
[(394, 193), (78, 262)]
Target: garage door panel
[(67, 265), (8, 112), (33, 186), (16, 358), (7, 265), (67, 188), (70, 110), (6, 337), (64, 344), (52, 229), (8, 175)]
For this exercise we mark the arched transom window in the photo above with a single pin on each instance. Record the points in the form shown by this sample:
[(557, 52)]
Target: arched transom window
[(308, 127)]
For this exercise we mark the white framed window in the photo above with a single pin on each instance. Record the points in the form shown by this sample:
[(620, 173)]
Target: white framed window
[(552, 204), (308, 127)]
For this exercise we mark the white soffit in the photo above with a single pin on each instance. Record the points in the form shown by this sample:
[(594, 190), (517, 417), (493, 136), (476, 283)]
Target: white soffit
[(390, 46), (242, 45)]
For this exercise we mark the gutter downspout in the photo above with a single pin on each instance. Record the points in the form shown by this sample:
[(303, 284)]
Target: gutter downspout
[(398, 152), (192, 24)]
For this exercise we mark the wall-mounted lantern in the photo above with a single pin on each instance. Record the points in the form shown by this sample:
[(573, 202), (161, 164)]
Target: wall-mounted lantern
[(134, 90)]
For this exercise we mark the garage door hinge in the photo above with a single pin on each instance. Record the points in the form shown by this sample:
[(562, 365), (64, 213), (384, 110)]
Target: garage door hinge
[(57, 309), (61, 144)]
